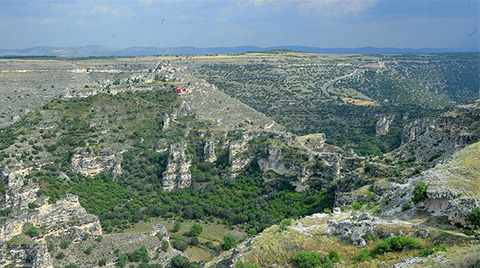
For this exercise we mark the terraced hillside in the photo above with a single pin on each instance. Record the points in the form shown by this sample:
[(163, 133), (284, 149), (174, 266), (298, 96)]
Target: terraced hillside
[(345, 96)]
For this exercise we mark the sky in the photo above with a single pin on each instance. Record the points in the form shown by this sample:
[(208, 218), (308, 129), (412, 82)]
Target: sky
[(453, 24)]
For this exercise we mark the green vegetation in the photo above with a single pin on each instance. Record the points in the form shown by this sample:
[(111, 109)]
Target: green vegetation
[(139, 255), (419, 192), (196, 230), (313, 259), (102, 262), (183, 262), (474, 217), (431, 250), (363, 255), (177, 244), (88, 250), (64, 243), (229, 242), (32, 231), (397, 243)]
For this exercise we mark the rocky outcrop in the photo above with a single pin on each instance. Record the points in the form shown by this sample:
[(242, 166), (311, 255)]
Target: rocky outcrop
[(166, 122), (239, 155), (318, 168), (353, 230), (64, 218), (90, 164), (415, 129), (429, 141), (209, 151), (177, 174), (382, 126)]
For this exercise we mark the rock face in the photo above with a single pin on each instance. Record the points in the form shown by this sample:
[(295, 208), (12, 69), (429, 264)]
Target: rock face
[(353, 230), (166, 122), (209, 151), (319, 168), (91, 165), (65, 218), (177, 174), (238, 155), (383, 125), (428, 141), (415, 129)]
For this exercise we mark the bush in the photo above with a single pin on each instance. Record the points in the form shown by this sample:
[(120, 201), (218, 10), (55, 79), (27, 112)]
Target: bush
[(397, 243), (165, 246), (196, 229), (194, 241), (474, 218), (177, 244), (32, 231), (308, 260), (138, 255), (363, 255), (60, 255), (334, 256), (419, 192), (122, 260), (99, 238), (180, 262), (88, 251), (284, 224), (431, 250), (357, 205), (64, 244), (229, 242), (209, 244), (177, 226), (102, 262), (240, 264)]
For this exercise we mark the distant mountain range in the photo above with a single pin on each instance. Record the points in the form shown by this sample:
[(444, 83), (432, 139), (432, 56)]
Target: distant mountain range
[(102, 51)]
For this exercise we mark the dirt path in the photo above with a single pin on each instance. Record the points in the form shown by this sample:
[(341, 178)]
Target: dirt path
[(329, 83)]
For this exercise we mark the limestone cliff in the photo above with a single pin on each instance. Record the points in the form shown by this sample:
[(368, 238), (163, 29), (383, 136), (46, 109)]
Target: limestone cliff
[(91, 164), (177, 174), (382, 126)]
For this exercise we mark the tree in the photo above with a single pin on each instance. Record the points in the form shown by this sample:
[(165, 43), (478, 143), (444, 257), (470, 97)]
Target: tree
[(229, 242), (196, 229), (180, 262), (177, 226), (419, 192)]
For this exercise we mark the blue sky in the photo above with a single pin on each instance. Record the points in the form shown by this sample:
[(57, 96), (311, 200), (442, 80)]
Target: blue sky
[(207, 23)]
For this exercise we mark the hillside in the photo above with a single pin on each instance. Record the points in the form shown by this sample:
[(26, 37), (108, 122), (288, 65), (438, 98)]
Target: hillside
[(147, 164)]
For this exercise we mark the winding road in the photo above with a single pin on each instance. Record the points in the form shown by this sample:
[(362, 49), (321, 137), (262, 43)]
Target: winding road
[(329, 83)]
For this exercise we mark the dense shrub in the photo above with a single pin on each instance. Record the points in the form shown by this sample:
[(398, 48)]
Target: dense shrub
[(180, 262), (32, 231), (431, 250), (419, 192), (164, 246), (313, 259), (397, 243), (196, 229), (363, 255), (88, 250), (229, 242), (64, 244), (474, 217), (177, 244)]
